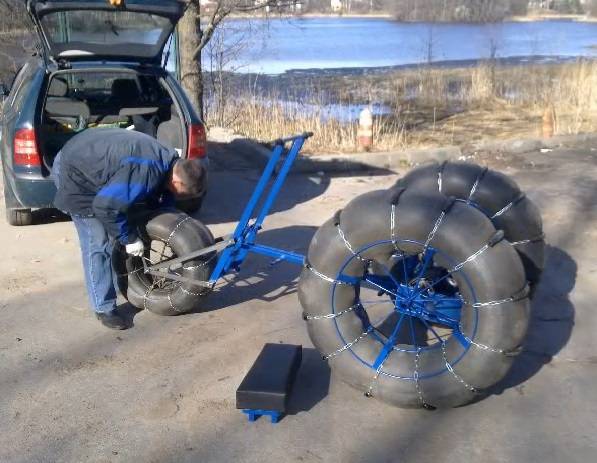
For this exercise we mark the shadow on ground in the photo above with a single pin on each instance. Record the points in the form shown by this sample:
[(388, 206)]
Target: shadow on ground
[(262, 278), (47, 216), (234, 176), (248, 153), (312, 383), (552, 319)]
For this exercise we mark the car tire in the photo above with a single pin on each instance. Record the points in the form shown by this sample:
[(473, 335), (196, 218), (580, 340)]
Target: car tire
[(15, 216), (498, 197), (19, 217), (183, 235), (379, 227)]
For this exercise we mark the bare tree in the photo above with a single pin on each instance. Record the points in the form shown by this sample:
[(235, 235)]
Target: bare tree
[(224, 58), (430, 44), (15, 35), (194, 36), (13, 16), (455, 10)]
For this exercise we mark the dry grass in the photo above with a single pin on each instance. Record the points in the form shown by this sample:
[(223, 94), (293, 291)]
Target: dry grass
[(428, 106), (268, 118)]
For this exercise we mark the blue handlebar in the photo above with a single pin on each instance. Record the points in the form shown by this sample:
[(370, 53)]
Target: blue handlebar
[(293, 138)]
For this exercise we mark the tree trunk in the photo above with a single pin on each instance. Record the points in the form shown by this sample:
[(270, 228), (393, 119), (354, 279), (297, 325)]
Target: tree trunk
[(189, 30)]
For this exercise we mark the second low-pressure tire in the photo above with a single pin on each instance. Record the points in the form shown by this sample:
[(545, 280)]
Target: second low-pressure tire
[(497, 196), (414, 299), (178, 235)]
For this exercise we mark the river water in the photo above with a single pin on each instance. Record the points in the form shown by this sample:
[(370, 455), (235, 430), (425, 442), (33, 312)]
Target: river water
[(279, 45)]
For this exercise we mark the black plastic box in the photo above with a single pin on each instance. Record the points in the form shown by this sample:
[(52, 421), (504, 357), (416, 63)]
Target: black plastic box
[(269, 382)]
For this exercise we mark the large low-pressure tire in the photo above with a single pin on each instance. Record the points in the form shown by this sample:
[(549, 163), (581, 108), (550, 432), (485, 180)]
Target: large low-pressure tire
[(415, 299), (168, 235), (498, 197)]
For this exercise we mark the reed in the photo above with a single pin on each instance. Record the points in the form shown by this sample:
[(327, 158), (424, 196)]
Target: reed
[(428, 106)]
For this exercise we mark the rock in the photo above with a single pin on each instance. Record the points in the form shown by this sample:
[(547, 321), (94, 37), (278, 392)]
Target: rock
[(522, 146), (421, 156)]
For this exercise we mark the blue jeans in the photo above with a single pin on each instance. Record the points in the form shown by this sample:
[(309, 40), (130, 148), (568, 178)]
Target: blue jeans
[(96, 250)]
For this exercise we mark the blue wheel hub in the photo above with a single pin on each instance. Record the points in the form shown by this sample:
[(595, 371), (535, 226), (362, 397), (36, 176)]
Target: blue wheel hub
[(409, 304)]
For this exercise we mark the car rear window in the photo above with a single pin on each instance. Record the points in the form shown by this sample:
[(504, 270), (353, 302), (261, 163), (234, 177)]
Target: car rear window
[(99, 84), (105, 27)]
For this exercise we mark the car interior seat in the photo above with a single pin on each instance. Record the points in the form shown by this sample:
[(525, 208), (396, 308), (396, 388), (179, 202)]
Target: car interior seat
[(62, 108), (170, 132), (64, 117)]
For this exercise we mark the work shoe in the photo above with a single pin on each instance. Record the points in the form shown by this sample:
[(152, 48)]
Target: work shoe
[(112, 320)]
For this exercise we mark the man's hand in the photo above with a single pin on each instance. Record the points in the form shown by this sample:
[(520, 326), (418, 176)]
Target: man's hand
[(135, 249)]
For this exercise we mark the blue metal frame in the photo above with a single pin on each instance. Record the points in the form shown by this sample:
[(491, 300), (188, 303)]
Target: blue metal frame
[(245, 234), (409, 299), (254, 415)]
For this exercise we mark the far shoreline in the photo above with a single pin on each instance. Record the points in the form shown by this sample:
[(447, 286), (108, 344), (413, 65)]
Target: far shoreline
[(358, 71), (387, 16)]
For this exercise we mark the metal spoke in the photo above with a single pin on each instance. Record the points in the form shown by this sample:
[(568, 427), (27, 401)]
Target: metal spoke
[(432, 285), (427, 259), (389, 273), (161, 282), (429, 327), (404, 269), (379, 324), (441, 336), (412, 331), (388, 346), (380, 287), (377, 302), (160, 259), (148, 260), (450, 303)]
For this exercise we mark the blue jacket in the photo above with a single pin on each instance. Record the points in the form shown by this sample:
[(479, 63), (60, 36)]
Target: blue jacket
[(104, 172)]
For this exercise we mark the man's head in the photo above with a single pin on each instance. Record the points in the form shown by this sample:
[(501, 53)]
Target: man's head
[(187, 179)]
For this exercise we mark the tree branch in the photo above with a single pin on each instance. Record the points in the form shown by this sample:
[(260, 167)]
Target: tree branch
[(224, 8)]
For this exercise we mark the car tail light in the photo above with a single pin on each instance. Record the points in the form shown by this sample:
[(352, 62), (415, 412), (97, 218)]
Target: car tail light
[(197, 142), (25, 148)]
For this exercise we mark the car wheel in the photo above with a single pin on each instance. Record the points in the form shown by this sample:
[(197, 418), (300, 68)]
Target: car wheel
[(19, 217)]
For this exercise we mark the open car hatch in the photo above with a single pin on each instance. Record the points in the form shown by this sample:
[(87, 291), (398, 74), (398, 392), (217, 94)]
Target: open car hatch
[(105, 30)]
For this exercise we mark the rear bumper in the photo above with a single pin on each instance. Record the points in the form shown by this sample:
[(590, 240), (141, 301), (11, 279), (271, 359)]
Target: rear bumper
[(31, 193)]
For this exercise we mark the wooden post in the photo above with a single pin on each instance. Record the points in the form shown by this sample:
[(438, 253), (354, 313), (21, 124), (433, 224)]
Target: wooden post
[(549, 119), (365, 132)]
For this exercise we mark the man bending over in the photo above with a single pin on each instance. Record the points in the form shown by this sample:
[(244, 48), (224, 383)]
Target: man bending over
[(100, 174)]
